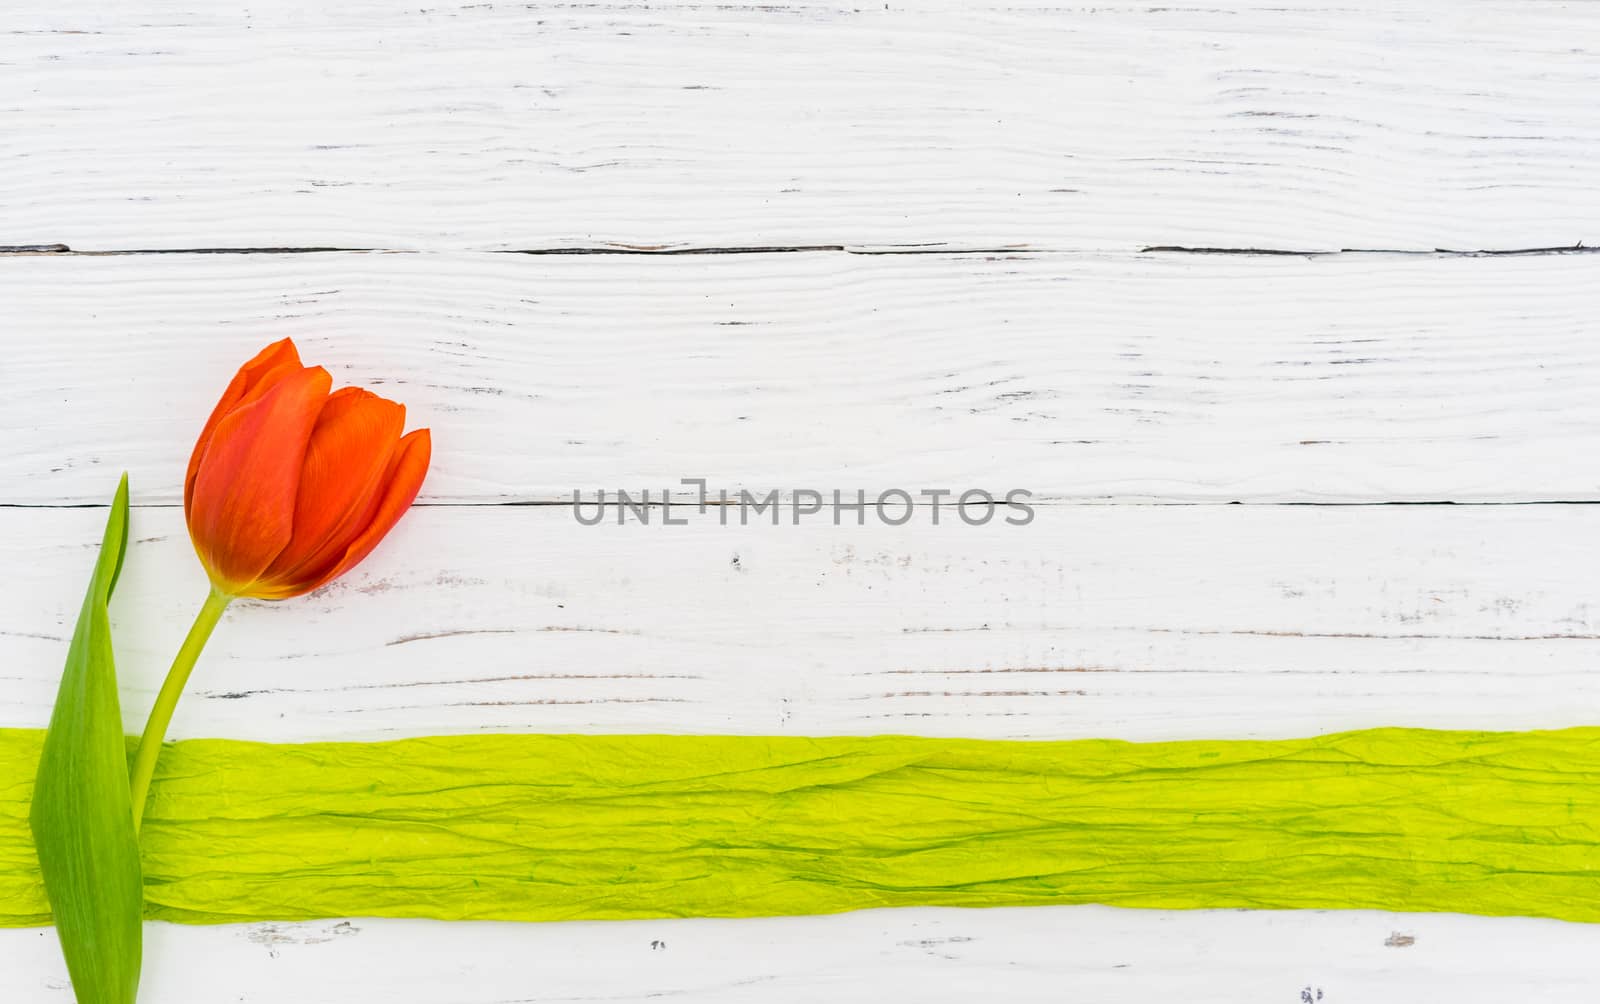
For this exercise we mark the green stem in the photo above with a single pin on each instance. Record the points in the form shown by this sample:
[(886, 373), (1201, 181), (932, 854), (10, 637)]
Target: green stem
[(155, 731)]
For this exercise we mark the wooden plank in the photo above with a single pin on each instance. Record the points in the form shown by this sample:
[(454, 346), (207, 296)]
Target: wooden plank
[(1119, 621), (1038, 954), (382, 124), (1092, 377)]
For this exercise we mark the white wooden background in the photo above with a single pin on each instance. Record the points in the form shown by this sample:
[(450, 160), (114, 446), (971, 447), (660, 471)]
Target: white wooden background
[(1141, 260)]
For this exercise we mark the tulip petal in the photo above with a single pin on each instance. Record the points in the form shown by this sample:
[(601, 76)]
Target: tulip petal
[(341, 482), (254, 378), (243, 502), (407, 468)]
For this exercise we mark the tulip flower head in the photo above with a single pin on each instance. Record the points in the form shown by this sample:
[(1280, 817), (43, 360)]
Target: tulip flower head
[(290, 486)]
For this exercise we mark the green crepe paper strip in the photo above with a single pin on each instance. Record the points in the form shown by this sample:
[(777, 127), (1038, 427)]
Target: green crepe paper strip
[(81, 811), (564, 827)]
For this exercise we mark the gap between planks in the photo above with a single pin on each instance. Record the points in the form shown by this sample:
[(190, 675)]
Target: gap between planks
[(939, 249), (784, 498)]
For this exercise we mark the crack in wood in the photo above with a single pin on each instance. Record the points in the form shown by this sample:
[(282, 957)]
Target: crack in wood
[(667, 250), (235, 695), (1566, 249), (971, 693), (1037, 502), (65, 251)]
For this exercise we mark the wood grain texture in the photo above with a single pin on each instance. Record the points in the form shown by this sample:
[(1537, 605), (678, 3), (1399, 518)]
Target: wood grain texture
[(383, 124), (1039, 955), (1116, 622), (1119, 377)]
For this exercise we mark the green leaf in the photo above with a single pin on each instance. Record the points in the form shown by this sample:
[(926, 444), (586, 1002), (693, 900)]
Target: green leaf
[(82, 814)]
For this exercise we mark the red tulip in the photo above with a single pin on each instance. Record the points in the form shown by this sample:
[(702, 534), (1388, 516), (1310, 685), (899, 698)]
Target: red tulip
[(290, 486)]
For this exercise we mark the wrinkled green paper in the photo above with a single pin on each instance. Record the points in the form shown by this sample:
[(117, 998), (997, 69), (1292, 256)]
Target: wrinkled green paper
[(81, 812), (532, 827)]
